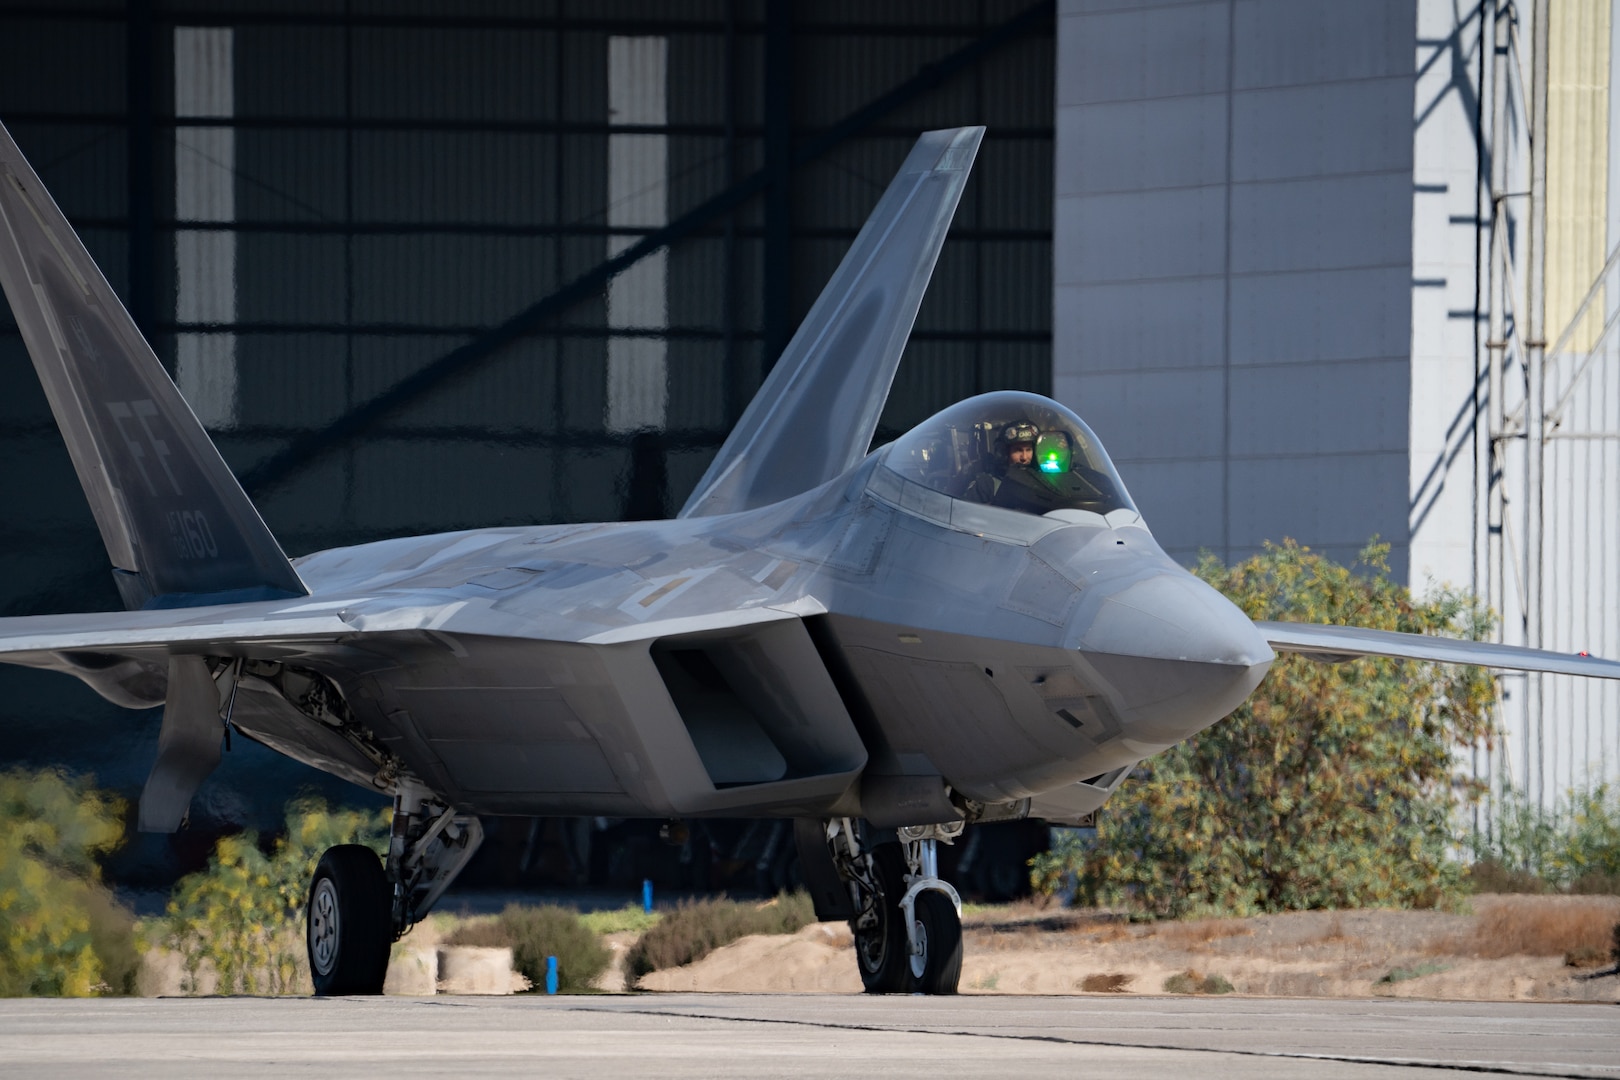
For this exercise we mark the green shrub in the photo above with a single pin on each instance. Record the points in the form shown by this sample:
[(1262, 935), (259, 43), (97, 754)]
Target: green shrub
[(697, 928), (243, 915), (1489, 876), (628, 919), (534, 933), (61, 931), (1331, 787), (1191, 982), (1572, 847)]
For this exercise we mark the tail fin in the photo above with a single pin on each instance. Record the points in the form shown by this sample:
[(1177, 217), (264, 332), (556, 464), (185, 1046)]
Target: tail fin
[(814, 417), (178, 527)]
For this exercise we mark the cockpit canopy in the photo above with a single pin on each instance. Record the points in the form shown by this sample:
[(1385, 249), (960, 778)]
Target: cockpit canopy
[(1013, 450)]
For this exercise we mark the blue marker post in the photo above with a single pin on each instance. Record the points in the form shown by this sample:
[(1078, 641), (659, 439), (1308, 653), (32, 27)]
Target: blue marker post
[(646, 895), (551, 974)]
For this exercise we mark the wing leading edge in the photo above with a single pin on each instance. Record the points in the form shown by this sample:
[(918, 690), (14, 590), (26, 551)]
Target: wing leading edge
[(814, 416), (1334, 643)]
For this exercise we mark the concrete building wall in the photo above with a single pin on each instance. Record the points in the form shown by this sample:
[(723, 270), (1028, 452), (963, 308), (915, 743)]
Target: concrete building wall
[(1450, 211), (1232, 253)]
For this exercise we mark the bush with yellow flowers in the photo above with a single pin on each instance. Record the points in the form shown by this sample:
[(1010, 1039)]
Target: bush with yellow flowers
[(1334, 785), (240, 919), (61, 931)]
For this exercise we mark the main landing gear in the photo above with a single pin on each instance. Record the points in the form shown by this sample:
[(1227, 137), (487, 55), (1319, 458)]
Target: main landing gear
[(908, 930), (359, 904)]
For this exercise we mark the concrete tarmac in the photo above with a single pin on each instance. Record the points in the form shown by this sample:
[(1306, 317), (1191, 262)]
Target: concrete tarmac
[(683, 1036)]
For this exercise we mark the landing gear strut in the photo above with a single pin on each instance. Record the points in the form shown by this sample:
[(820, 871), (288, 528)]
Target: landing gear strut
[(359, 905), (932, 911), (908, 929)]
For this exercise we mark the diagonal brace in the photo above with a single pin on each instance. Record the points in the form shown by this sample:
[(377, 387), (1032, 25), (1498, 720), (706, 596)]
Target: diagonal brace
[(308, 447)]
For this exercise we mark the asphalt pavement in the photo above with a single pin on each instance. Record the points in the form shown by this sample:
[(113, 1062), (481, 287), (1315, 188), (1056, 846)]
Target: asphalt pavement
[(713, 1035)]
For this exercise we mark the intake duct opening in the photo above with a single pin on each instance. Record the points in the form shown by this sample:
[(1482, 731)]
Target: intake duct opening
[(758, 704), (724, 727)]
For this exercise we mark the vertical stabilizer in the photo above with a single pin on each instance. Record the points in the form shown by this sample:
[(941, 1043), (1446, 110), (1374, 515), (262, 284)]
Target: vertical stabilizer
[(178, 527), (814, 417)]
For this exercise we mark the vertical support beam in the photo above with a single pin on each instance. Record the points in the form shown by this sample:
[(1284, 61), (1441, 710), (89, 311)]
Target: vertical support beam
[(1492, 472), (739, 386), (140, 296), (1230, 151), (1497, 298), (1484, 308), (778, 297), (349, 456), (1535, 403)]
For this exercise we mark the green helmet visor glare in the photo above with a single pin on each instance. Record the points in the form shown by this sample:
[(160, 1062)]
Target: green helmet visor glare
[(1052, 452)]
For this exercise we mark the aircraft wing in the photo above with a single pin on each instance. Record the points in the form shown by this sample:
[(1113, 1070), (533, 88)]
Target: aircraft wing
[(1334, 643), (124, 656), (814, 417)]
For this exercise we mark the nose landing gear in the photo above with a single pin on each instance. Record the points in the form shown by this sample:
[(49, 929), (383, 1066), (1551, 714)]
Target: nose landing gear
[(908, 926), (932, 911)]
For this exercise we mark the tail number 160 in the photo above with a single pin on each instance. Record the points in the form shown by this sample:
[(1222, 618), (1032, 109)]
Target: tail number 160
[(192, 537)]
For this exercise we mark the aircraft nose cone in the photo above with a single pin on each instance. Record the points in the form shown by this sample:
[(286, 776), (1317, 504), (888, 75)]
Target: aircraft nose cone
[(1174, 616), (1178, 655)]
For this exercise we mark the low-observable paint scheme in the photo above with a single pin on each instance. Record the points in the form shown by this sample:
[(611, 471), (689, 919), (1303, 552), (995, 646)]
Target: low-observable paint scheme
[(945, 630)]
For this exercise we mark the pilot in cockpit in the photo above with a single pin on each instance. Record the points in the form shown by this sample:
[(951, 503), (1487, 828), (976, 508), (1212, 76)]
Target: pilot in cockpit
[(1014, 454), (1014, 451)]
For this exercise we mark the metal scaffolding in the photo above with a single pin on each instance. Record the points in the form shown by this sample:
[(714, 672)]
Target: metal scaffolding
[(1547, 541)]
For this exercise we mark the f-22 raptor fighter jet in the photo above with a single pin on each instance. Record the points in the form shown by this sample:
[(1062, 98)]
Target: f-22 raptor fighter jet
[(971, 624)]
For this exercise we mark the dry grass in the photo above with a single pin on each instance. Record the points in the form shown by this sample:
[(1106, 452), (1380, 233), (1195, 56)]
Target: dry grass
[(697, 928), (1198, 933), (1579, 930), (480, 931), (1490, 876), (1332, 934), (1114, 982), (1101, 932), (988, 939), (535, 933), (1596, 884)]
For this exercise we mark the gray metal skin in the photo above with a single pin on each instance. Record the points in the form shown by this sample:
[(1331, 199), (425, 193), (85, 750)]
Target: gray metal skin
[(513, 671), (816, 636)]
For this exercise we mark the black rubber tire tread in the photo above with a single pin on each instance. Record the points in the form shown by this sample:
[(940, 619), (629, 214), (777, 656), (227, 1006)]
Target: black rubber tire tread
[(892, 974), (365, 914), (942, 967)]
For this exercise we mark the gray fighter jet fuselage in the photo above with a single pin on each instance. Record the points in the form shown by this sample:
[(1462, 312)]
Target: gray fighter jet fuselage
[(970, 624), (800, 648)]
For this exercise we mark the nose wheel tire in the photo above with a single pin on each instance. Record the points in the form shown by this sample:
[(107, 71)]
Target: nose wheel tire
[(881, 950), (348, 922), (938, 968)]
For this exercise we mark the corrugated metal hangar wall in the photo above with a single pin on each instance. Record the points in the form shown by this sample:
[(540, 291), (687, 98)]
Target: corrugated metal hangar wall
[(1274, 303), (368, 238)]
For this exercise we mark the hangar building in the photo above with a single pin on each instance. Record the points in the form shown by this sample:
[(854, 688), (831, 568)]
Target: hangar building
[(1273, 300), (368, 238)]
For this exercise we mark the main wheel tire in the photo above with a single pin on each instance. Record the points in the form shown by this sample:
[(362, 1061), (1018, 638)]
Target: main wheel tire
[(348, 921), (939, 931), (882, 952)]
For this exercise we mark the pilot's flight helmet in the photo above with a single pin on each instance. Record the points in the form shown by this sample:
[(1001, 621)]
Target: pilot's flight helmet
[(1021, 432)]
